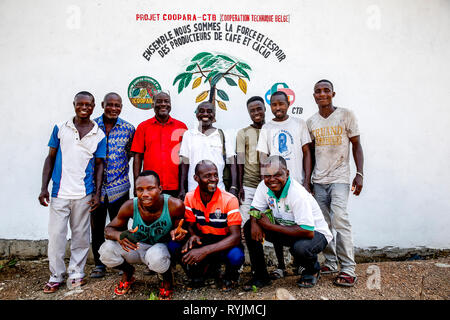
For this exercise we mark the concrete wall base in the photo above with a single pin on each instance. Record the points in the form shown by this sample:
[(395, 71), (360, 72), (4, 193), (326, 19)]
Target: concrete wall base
[(35, 249)]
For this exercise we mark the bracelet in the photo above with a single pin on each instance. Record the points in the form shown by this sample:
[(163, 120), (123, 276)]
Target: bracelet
[(233, 187), (360, 174)]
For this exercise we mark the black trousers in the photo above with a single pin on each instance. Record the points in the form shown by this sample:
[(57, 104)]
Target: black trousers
[(303, 250), (98, 221)]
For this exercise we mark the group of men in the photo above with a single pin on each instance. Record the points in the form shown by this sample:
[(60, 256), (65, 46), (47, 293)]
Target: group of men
[(195, 191)]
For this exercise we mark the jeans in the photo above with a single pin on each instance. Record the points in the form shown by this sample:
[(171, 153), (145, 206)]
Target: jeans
[(303, 250), (332, 199), (98, 220), (233, 259)]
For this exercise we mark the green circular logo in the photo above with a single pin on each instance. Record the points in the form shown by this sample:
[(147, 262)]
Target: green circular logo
[(141, 92)]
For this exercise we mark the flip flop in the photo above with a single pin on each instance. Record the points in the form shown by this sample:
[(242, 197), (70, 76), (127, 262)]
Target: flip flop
[(165, 294), (327, 270), (98, 272), (277, 274), (349, 281), (123, 287), (308, 280), (52, 287)]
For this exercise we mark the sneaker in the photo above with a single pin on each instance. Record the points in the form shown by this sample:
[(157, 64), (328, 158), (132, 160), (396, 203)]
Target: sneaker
[(259, 283)]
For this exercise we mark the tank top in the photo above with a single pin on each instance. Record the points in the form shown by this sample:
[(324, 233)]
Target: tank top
[(151, 234)]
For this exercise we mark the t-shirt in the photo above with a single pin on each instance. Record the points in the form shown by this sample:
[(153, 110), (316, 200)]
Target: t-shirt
[(73, 172), (219, 214), (286, 138), (246, 142), (296, 206), (332, 145), (197, 146), (160, 144)]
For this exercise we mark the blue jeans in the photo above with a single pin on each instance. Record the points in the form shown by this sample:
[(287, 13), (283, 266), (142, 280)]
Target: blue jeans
[(233, 259), (332, 199)]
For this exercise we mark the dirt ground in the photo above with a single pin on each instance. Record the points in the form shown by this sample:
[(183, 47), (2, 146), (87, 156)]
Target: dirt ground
[(405, 280)]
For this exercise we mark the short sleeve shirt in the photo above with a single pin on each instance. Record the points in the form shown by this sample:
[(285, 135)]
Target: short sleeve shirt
[(246, 142), (116, 181), (73, 171), (296, 206), (197, 146), (332, 145), (286, 139), (219, 214), (160, 144)]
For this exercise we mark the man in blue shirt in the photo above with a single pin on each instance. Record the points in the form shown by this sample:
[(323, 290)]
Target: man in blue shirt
[(77, 148), (116, 183)]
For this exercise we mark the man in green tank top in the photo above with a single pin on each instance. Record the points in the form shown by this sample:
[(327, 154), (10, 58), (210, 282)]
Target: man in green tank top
[(155, 219)]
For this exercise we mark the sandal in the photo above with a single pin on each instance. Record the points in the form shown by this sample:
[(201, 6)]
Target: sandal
[(98, 272), (348, 280), (76, 283), (52, 287), (165, 294), (308, 280), (123, 287), (327, 270), (277, 274)]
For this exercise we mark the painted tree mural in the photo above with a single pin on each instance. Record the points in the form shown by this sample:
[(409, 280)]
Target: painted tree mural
[(213, 68)]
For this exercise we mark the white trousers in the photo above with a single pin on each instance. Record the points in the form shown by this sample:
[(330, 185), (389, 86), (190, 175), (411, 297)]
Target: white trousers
[(245, 206), (76, 213), (156, 257)]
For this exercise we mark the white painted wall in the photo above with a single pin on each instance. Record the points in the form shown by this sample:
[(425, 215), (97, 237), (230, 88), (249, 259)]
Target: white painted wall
[(389, 61)]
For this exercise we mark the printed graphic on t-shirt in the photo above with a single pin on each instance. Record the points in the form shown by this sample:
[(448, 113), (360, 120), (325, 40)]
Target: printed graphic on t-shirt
[(328, 136), (285, 142)]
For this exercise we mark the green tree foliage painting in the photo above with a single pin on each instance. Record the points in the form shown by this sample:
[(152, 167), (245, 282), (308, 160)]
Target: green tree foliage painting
[(212, 69)]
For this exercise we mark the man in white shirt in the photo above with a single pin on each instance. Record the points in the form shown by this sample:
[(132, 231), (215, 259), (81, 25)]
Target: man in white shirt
[(206, 142), (333, 129), (297, 222), (288, 137)]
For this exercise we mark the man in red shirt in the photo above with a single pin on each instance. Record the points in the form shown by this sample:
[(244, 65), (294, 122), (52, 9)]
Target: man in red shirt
[(157, 142)]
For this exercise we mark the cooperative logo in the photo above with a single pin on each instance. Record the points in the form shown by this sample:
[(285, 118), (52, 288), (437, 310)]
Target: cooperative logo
[(141, 92), (281, 86)]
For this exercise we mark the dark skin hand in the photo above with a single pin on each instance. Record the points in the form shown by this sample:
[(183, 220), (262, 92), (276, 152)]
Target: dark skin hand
[(195, 255), (49, 163), (259, 225), (137, 167), (307, 166), (358, 156), (98, 174)]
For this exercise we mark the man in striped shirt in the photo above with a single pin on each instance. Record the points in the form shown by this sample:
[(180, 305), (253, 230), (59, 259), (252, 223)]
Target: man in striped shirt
[(215, 230)]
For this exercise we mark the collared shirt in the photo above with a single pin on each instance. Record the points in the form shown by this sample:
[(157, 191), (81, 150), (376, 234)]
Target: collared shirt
[(295, 206), (73, 172), (160, 144), (115, 177), (197, 146), (219, 214)]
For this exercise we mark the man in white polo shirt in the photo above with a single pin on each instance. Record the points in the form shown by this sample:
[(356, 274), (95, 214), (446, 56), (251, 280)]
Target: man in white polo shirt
[(75, 164), (283, 212)]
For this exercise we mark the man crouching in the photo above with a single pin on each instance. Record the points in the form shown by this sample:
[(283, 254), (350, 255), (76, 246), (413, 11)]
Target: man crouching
[(154, 217)]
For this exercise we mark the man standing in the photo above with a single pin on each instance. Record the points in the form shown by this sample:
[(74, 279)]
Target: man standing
[(155, 216), (214, 229), (116, 183), (75, 164), (288, 137), (156, 145), (295, 221), (332, 130), (247, 156), (206, 142)]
